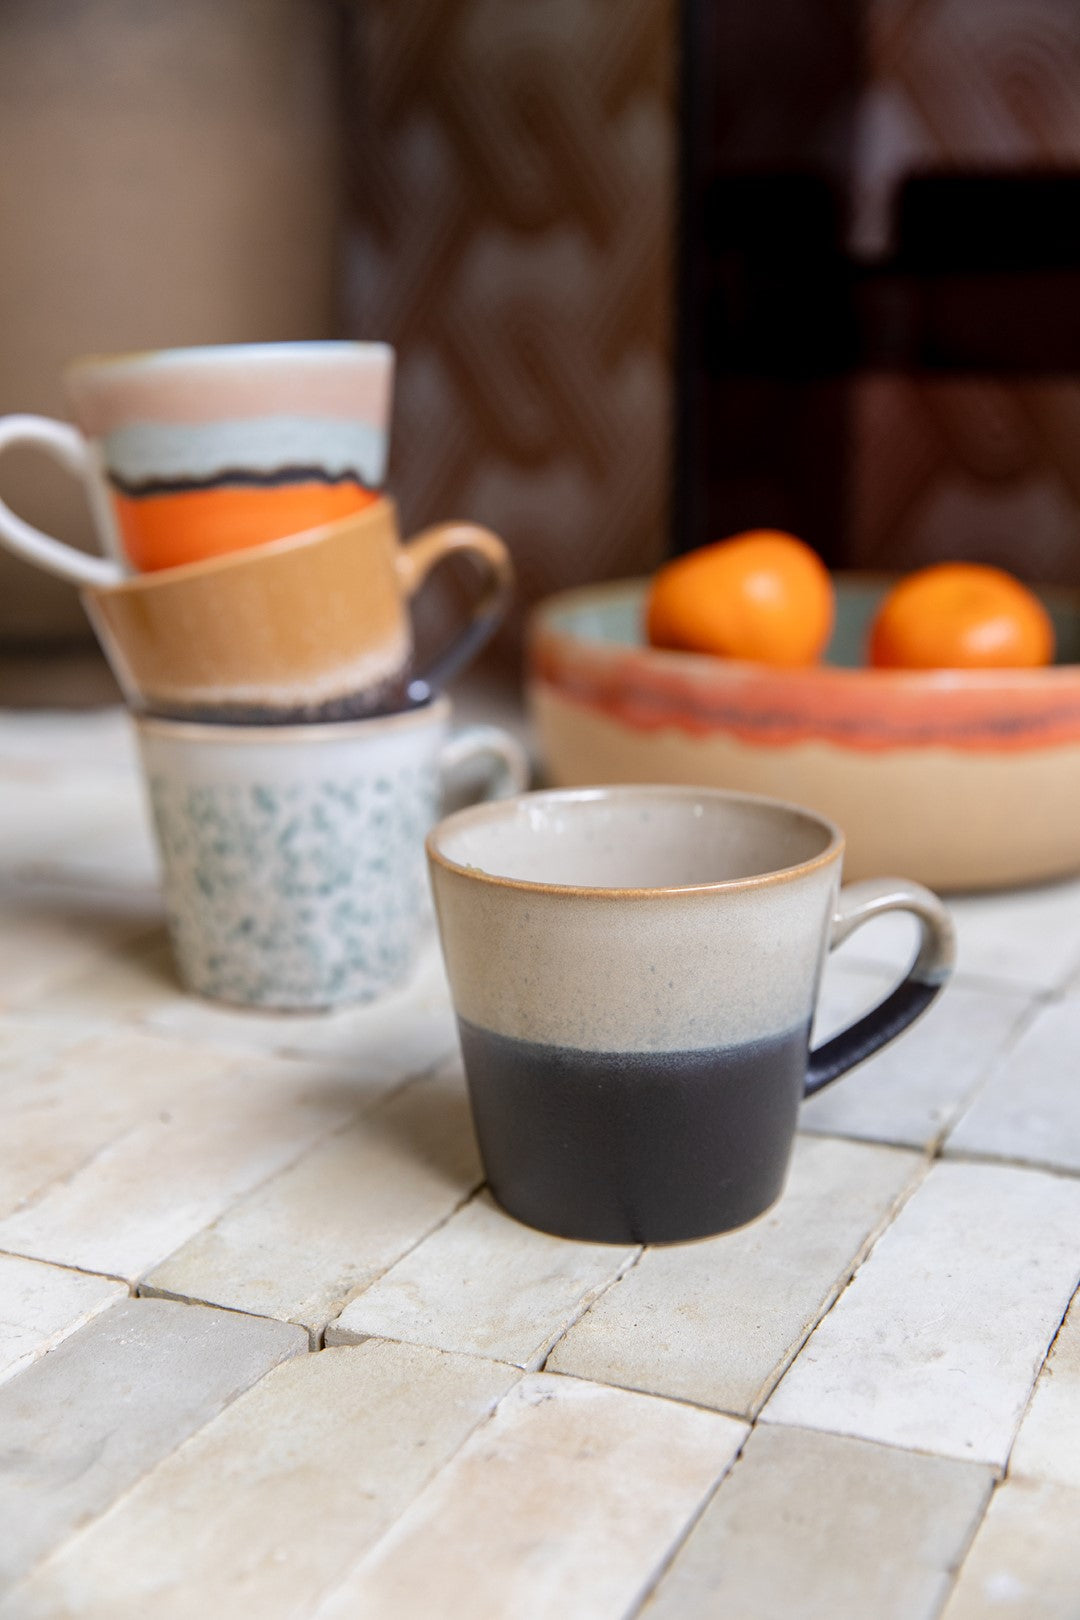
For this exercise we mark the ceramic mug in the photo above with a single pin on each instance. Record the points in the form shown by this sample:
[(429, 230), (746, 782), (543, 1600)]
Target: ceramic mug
[(315, 627), (292, 860), (190, 453), (634, 971)]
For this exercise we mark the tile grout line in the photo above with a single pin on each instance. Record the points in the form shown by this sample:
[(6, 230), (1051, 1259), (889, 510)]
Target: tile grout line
[(671, 1554), (320, 1335), (1006, 1471), (956, 1570), (888, 1219), (62, 1265), (280, 1170)]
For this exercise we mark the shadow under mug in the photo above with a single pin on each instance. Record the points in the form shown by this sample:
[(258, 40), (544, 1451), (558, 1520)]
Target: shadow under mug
[(192, 453), (635, 971), (293, 859), (315, 627)]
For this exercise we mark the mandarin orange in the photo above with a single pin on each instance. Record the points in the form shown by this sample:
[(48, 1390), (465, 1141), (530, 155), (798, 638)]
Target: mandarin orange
[(961, 616), (762, 595)]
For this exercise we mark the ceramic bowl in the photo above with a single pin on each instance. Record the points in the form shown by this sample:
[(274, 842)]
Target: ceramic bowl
[(963, 779)]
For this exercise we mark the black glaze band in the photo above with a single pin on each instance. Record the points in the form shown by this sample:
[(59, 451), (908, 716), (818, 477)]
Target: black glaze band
[(868, 1034), (239, 478), (488, 615)]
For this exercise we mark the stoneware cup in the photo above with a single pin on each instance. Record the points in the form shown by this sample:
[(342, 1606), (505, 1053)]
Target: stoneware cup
[(634, 971), (190, 453), (293, 859), (315, 627)]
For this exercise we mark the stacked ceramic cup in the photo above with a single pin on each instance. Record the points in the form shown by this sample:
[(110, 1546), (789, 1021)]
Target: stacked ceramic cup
[(254, 603)]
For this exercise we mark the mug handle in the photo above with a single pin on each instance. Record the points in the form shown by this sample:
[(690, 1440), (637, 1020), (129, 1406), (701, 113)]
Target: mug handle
[(67, 445), (925, 978), (415, 560), (511, 770)]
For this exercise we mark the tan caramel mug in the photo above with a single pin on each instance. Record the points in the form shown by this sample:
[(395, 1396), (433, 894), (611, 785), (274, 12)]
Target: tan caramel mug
[(314, 627), (191, 453)]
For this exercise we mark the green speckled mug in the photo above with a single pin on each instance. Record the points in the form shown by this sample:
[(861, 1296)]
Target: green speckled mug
[(293, 857)]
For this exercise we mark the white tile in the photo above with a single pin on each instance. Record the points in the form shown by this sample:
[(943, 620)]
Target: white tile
[(1029, 936), (128, 986), (60, 743), (154, 1186), (1025, 1561), (1029, 1111), (937, 1342), (85, 1422), (812, 1525), (484, 1284), (274, 1500), (1048, 1445), (566, 1502), (914, 1088), (40, 1305), (49, 932), (66, 1099), (299, 1246), (44, 822), (406, 1031), (717, 1321)]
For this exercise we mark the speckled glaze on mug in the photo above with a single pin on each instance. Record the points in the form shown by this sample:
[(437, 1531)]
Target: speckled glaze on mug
[(292, 859), (635, 971)]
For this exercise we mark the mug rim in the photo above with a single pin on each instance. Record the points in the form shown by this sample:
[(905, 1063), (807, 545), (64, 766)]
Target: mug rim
[(212, 354), (203, 731), (135, 584), (495, 809)]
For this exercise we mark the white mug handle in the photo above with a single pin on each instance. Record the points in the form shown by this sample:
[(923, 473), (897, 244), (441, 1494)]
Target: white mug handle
[(511, 773), (68, 446)]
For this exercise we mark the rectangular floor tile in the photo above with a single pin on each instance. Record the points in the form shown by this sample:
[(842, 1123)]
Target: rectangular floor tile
[(1029, 1111), (41, 821), (408, 1030), (485, 1284), (58, 1114), (40, 1305), (274, 1500), (50, 932), (716, 1321), (124, 988), (937, 1342), (1048, 1445), (303, 1243), (812, 1525), (150, 1189), (1025, 1563), (566, 1502), (913, 1090), (1029, 936), (90, 1418)]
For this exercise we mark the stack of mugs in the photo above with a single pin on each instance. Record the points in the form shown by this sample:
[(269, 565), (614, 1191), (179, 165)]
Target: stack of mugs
[(254, 604)]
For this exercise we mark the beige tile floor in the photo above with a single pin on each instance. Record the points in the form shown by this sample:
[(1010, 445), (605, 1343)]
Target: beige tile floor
[(265, 1340)]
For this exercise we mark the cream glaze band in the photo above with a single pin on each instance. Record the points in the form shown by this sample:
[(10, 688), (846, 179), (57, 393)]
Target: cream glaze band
[(703, 968)]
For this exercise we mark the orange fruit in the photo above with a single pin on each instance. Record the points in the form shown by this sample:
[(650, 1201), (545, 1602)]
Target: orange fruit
[(961, 616), (762, 595)]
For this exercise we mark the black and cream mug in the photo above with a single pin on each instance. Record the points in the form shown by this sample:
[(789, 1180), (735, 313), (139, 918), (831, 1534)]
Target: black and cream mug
[(635, 971)]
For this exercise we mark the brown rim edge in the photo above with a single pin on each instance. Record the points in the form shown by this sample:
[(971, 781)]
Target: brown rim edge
[(492, 810)]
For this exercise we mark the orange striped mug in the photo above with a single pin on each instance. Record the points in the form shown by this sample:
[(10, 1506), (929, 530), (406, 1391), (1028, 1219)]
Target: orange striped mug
[(188, 454)]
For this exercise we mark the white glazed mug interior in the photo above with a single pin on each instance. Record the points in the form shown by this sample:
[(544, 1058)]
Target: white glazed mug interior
[(634, 838)]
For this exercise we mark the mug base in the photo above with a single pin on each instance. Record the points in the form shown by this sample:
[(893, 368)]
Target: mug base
[(634, 1147)]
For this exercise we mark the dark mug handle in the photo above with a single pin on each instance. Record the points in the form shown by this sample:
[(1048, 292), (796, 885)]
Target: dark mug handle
[(415, 560), (926, 977)]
